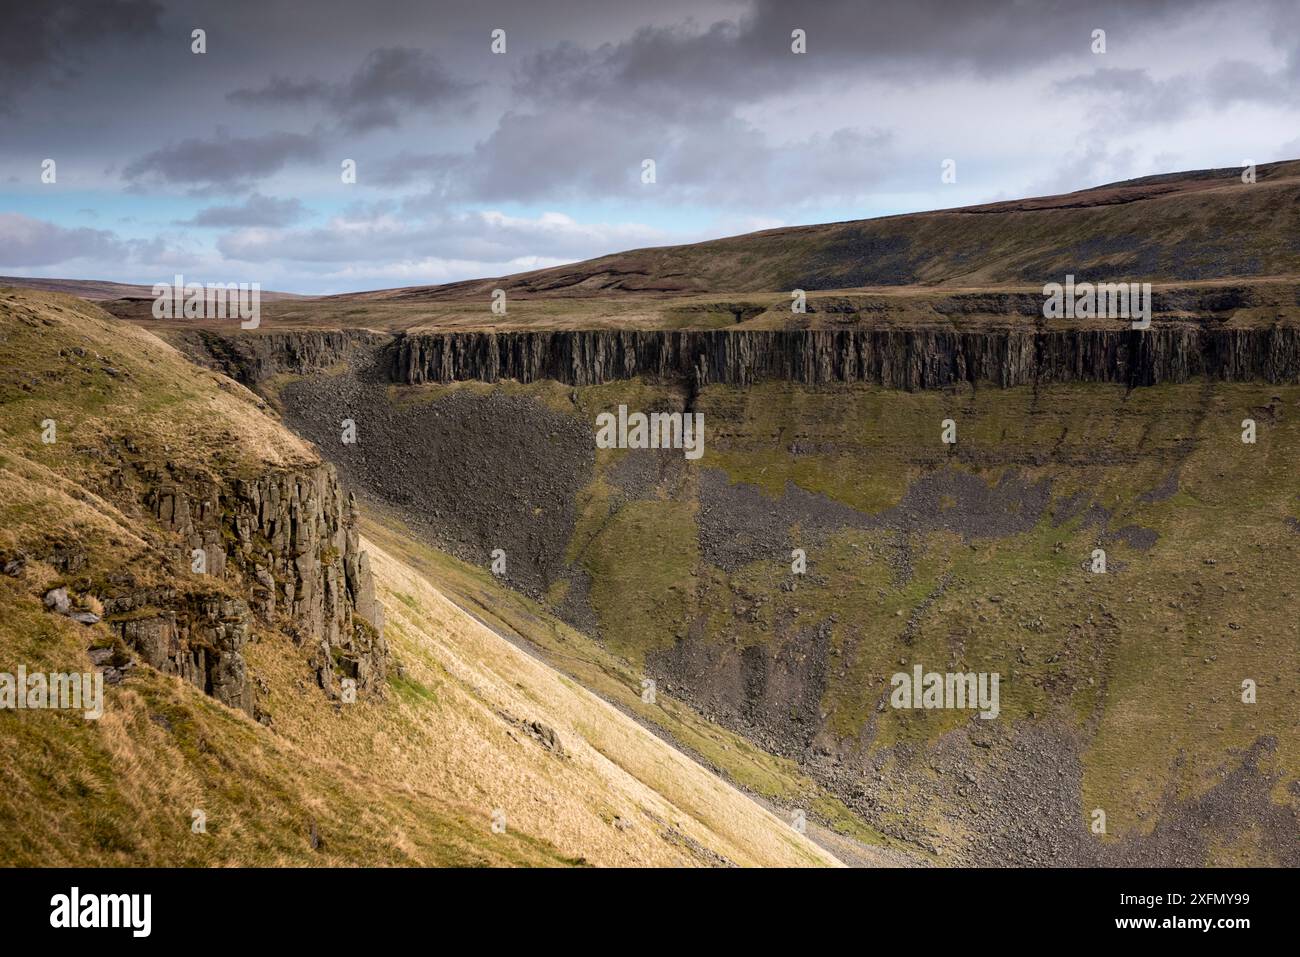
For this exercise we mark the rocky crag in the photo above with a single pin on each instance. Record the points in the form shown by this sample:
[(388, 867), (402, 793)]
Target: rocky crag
[(288, 541), (229, 559)]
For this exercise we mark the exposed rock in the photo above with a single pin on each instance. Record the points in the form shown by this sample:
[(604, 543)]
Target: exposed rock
[(551, 455), (921, 358), (291, 536), (202, 644), (56, 600), (287, 540), (252, 357), (545, 736)]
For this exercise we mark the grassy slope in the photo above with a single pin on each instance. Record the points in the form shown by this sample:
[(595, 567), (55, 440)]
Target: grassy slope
[(615, 679), (410, 779)]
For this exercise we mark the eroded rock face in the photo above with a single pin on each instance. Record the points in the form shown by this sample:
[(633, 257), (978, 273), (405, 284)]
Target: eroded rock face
[(288, 542), (199, 638), (921, 358), (252, 357)]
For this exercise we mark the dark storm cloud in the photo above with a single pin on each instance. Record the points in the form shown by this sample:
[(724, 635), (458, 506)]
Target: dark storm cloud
[(223, 160), (671, 68), (40, 42), (389, 84), (256, 210)]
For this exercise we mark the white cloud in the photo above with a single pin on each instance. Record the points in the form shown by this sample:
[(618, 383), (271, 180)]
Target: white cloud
[(480, 237)]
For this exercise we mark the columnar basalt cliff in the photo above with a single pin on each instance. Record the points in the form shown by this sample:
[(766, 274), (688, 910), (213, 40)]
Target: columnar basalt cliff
[(923, 358), (287, 541)]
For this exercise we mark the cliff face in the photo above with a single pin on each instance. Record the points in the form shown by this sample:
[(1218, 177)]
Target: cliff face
[(199, 638), (287, 543), (901, 359), (252, 357)]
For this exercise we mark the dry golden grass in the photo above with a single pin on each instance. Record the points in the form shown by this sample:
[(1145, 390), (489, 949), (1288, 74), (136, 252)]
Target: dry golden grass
[(612, 766)]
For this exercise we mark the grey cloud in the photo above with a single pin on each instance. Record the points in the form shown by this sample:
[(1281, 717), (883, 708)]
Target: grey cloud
[(40, 42), (433, 171), (598, 153), (562, 152), (741, 128), (477, 236), (1134, 93), (390, 82), (256, 210), (282, 91), (842, 167), (223, 160), (1244, 81), (1089, 164), (1239, 81), (750, 57)]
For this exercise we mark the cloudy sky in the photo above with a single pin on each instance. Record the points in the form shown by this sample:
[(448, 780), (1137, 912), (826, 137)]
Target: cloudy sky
[(228, 165)]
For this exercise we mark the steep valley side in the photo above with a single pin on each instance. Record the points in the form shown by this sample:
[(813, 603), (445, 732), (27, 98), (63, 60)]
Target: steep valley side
[(277, 690), (1121, 691)]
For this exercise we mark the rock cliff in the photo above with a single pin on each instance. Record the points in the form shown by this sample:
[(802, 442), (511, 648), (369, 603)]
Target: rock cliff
[(286, 544), (254, 356), (921, 358)]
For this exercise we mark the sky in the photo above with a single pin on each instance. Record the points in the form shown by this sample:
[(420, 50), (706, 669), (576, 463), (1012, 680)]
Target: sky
[(228, 165)]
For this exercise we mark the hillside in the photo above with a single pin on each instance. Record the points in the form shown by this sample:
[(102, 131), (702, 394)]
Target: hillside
[(1178, 227), (97, 290), (1215, 250), (226, 691)]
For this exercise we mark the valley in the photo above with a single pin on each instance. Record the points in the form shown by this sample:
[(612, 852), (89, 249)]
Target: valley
[(687, 654), (974, 556)]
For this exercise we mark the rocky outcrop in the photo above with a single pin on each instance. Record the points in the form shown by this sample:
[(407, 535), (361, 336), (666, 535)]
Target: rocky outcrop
[(286, 545), (199, 638), (920, 358), (250, 357)]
